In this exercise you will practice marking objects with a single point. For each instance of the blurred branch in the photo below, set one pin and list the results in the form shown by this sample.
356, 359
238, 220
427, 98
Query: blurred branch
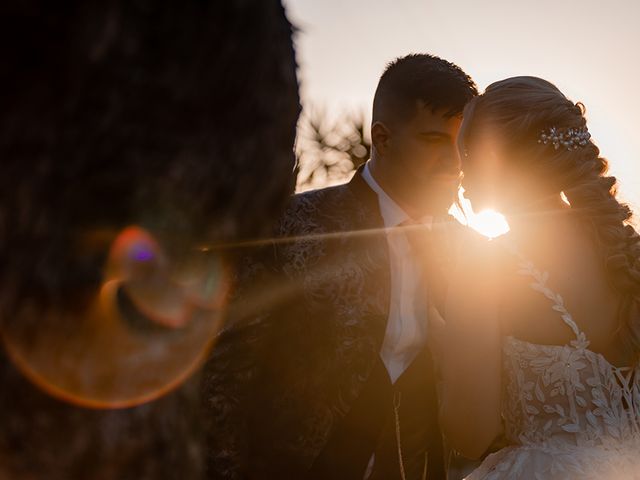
329, 151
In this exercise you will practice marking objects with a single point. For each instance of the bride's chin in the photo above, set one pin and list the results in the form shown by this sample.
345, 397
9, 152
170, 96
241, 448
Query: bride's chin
482, 200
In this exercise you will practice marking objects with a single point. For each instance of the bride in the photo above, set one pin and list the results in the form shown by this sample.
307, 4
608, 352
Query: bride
542, 336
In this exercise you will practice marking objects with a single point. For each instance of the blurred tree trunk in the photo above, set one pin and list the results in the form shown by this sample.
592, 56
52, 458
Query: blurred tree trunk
234, 77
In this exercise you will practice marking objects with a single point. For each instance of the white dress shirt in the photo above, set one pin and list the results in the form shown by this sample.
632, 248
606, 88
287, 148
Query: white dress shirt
406, 332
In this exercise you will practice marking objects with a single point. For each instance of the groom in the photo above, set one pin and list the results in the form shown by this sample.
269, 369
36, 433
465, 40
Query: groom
323, 371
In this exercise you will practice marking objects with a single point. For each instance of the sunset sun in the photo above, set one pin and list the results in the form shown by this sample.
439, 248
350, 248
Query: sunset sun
487, 222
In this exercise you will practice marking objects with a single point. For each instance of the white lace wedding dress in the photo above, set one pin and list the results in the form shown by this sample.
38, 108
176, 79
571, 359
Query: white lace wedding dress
568, 413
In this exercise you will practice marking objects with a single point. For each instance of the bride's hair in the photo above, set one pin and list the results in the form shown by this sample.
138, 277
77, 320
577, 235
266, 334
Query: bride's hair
517, 110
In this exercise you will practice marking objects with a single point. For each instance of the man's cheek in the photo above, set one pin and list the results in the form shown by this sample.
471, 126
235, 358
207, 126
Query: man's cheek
420, 159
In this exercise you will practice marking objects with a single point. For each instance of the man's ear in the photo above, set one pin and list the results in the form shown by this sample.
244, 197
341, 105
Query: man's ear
381, 138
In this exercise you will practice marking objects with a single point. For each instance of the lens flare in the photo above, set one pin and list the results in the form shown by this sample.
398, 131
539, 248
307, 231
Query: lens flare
128, 346
488, 222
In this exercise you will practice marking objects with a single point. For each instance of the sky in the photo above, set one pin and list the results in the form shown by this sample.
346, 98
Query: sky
589, 49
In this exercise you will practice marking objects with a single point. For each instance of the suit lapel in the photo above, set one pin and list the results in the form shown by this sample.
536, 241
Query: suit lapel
368, 198
374, 257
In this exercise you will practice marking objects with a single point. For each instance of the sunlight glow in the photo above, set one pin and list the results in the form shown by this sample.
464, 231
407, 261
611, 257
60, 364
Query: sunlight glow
489, 223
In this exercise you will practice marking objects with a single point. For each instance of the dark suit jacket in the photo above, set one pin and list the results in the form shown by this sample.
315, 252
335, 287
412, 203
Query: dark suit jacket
303, 335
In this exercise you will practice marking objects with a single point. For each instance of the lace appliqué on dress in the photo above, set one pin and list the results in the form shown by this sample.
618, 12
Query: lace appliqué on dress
567, 411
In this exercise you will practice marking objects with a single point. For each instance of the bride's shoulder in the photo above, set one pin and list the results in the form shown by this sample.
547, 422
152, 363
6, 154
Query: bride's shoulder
450, 231
479, 251
475, 241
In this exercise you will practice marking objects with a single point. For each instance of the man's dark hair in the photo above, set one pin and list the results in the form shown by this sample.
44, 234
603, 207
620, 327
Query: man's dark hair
421, 80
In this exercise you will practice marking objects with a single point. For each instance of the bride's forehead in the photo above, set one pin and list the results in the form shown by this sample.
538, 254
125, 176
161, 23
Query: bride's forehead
478, 131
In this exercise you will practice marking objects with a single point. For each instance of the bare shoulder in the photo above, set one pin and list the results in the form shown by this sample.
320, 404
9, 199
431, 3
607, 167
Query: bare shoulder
459, 241
476, 250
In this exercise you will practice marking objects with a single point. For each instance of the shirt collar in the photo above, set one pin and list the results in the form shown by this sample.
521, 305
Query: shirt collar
392, 213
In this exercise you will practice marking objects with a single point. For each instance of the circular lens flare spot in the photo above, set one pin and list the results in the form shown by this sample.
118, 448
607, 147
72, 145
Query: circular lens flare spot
113, 355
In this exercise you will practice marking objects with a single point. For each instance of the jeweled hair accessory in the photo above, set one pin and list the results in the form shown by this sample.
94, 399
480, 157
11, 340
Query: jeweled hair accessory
569, 138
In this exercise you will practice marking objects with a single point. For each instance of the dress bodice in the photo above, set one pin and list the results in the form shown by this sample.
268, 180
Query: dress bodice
566, 391
568, 413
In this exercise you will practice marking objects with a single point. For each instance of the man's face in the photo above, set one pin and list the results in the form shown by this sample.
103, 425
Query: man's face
423, 162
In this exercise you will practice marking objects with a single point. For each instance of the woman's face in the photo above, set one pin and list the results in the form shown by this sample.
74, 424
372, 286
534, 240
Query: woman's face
483, 167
